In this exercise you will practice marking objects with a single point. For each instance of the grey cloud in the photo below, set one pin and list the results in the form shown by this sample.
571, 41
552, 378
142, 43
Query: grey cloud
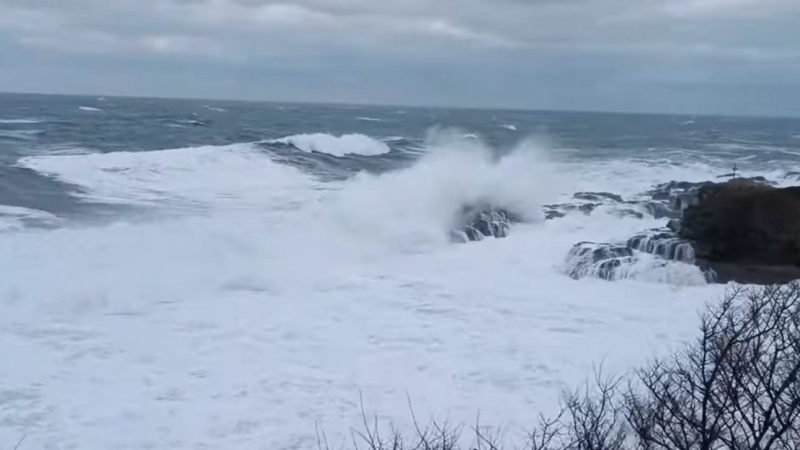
570, 49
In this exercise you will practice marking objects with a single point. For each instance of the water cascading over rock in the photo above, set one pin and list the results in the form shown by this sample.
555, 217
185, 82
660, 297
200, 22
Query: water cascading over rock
590, 259
480, 222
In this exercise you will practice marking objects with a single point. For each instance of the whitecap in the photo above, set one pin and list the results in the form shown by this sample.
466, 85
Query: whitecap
89, 108
509, 127
19, 121
348, 144
192, 177
369, 119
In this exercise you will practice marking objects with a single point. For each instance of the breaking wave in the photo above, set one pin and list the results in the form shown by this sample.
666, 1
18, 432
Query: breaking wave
421, 204
235, 176
348, 144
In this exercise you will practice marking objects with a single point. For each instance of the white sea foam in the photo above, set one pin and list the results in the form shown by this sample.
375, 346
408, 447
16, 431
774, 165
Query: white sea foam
348, 144
509, 127
272, 308
421, 204
89, 108
19, 121
194, 177
369, 119
14, 218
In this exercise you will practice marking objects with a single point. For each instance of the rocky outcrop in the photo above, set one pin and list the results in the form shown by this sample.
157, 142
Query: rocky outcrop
597, 197
589, 259
617, 261
746, 231
560, 210
480, 222
665, 243
792, 175
661, 204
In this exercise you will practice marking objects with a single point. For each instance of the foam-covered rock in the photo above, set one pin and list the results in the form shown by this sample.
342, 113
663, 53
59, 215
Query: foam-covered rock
590, 259
480, 222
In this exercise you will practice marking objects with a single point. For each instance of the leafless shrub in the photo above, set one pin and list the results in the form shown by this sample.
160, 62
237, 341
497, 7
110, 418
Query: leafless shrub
734, 388
595, 418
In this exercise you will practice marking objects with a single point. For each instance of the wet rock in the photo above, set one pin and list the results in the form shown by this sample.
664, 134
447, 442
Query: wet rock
597, 197
561, 210
598, 260
674, 225
627, 212
657, 209
792, 175
551, 214
743, 273
665, 191
480, 222
665, 243
746, 231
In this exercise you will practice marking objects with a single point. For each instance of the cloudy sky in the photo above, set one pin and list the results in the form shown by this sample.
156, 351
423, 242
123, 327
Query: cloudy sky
696, 56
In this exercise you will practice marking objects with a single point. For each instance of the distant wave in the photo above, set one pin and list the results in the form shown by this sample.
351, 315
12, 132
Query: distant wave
89, 108
19, 135
348, 144
14, 218
214, 108
509, 127
369, 119
19, 121
192, 122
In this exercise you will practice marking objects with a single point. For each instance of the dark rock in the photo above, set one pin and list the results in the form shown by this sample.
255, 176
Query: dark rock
678, 202
674, 225
660, 195
746, 231
717, 272
664, 243
627, 212
597, 196
561, 210
480, 222
792, 175
657, 209
664, 191
598, 260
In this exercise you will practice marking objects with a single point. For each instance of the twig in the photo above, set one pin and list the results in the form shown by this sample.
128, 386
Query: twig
20, 441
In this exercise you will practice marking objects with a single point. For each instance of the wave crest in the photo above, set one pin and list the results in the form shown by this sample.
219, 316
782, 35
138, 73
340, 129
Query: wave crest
423, 203
347, 144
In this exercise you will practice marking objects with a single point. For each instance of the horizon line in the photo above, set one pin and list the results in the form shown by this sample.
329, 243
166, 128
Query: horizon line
410, 106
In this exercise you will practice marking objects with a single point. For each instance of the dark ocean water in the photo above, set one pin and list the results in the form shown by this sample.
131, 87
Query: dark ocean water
36, 125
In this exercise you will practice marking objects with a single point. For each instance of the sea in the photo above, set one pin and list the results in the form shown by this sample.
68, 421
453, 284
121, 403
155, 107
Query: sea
198, 274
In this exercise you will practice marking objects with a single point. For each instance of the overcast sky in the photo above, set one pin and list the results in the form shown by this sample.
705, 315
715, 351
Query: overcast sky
693, 56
